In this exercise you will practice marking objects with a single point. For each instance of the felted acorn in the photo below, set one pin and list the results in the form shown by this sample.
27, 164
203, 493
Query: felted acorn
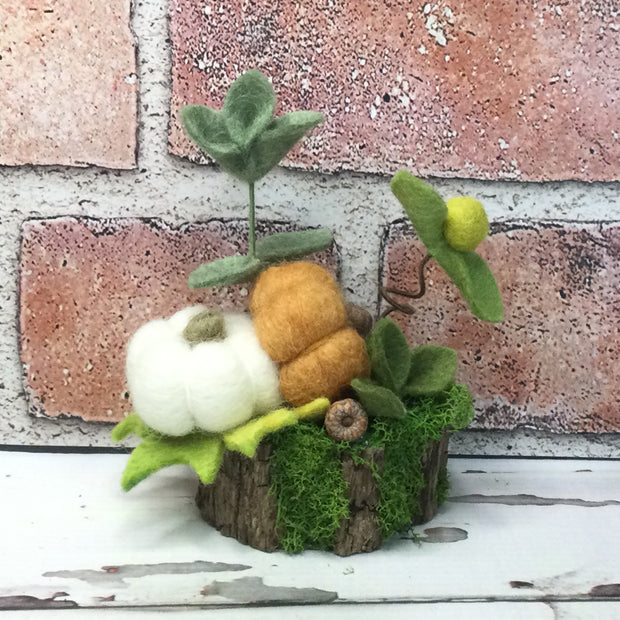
301, 321
200, 369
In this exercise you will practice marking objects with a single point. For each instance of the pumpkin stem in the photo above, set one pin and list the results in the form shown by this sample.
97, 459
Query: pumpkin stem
206, 326
359, 318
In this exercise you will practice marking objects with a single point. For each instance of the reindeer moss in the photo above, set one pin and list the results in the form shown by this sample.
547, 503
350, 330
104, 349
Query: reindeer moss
307, 476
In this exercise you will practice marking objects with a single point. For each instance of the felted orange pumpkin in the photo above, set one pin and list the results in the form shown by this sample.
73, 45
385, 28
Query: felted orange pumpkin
300, 319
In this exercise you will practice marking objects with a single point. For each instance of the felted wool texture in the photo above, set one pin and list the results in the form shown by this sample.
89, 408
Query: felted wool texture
213, 386
466, 224
155, 371
241, 337
332, 363
294, 306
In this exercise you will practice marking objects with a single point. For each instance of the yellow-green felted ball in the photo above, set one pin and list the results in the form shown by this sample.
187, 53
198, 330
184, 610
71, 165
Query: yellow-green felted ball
466, 224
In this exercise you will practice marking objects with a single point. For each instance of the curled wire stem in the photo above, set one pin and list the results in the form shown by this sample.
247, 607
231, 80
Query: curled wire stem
387, 292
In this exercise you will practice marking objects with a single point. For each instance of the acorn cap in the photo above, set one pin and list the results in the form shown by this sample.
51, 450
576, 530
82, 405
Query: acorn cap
346, 420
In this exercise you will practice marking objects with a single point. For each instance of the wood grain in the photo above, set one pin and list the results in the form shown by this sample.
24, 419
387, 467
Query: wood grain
66, 538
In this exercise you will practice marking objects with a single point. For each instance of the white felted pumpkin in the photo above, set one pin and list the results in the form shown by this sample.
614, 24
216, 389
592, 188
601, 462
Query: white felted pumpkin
177, 387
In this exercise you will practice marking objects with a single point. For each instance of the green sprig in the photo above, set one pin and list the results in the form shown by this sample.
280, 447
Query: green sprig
247, 141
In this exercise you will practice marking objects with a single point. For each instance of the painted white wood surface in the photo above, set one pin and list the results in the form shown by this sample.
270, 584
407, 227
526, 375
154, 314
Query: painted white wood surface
369, 611
541, 536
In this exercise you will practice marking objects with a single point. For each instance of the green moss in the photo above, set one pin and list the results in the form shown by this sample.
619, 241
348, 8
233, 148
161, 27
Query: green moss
307, 476
404, 443
307, 481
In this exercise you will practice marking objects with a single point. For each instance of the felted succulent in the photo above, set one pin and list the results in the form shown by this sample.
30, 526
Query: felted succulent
247, 141
450, 233
399, 372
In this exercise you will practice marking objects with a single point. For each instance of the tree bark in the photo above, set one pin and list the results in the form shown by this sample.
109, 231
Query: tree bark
360, 532
238, 502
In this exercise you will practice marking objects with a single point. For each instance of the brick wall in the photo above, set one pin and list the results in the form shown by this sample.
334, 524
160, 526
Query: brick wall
104, 212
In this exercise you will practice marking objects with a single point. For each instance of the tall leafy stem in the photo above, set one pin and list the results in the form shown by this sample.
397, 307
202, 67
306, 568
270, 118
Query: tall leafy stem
247, 141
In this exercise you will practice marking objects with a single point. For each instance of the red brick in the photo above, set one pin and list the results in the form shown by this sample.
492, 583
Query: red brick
512, 90
553, 363
87, 285
68, 75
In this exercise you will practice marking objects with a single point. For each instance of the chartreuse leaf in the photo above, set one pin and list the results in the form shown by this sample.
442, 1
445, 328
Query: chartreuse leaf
378, 401
314, 410
424, 206
225, 271
131, 425
201, 452
246, 438
292, 245
277, 140
248, 107
389, 355
432, 370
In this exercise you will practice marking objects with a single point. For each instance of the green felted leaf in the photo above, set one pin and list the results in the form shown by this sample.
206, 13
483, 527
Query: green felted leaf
484, 300
469, 272
424, 206
201, 452
207, 129
389, 355
131, 425
378, 401
225, 271
432, 370
248, 107
292, 245
246, 438
474, 279
277, 140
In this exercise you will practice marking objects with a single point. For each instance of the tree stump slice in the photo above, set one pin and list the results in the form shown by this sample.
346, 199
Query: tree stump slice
434, 463
360, 532
238, 503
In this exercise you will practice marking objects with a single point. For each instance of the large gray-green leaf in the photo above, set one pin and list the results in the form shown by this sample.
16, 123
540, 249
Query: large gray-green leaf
226, 271
389, 355
277, 140
424, 206
484, 299
432, 370
207, 129
290, 245
474, 279
248, 107
469, 272
378, 401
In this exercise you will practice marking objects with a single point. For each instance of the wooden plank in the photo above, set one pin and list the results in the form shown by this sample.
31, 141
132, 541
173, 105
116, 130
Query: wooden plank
520, 531
409, 611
